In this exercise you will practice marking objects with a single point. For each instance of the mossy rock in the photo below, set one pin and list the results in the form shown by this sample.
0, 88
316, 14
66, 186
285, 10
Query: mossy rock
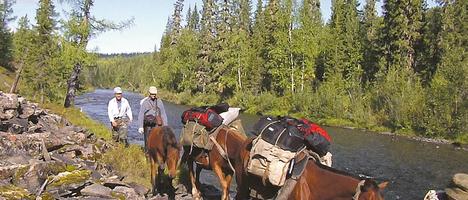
14, 192
69, 180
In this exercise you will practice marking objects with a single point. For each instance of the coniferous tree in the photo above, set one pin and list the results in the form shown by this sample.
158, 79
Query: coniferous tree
345, 53
402, 32
371, 26
22, 43
40, 76
258, 78
208, 44
193, 22
429, 53
6, 11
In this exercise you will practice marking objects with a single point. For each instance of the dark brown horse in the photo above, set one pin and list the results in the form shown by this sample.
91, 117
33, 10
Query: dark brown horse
318, 182
229, 141
163, 150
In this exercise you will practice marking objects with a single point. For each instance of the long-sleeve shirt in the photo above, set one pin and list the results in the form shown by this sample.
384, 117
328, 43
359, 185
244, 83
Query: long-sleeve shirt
148, 107
119, 109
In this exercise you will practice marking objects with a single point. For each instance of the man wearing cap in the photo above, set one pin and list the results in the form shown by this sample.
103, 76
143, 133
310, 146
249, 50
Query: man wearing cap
120, 115
152, 113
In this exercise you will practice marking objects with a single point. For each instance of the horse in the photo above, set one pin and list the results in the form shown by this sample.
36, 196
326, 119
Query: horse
318, 182
163, 149
228, 142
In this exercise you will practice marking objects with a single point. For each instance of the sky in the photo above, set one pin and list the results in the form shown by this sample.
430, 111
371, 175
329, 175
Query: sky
149, 17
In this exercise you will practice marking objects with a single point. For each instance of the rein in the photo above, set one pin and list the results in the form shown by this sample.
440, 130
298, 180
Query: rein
358, 190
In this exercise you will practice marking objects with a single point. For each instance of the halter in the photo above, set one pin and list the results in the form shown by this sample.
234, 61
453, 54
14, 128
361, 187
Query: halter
358, 190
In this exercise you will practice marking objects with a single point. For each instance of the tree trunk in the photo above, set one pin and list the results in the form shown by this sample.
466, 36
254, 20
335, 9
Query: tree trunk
18, 75
72, 85
239, 79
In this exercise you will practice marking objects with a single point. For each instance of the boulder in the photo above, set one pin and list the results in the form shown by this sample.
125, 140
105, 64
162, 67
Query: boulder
112, 183
14, 192
17, 125
129, 193
456, 194
97, 190
65, 182
461, 181
8, 101
27, 110
8, 114
140, 189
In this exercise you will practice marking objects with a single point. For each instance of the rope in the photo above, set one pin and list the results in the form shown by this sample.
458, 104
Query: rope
358, 190
221, 151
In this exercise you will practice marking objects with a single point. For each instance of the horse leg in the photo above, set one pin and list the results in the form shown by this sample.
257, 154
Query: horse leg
154, 175
195, 193
242, 190
223, 180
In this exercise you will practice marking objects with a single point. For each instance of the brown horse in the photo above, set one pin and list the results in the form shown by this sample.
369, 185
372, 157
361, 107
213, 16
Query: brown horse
318, 182
229, 141
163, 150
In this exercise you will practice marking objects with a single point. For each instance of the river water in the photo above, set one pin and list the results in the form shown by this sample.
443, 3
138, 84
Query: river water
411, 167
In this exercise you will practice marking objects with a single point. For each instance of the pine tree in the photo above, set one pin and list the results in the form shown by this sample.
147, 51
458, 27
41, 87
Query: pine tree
22, 43
402, 32
208, 46
176, 20
429, 51
193, 19
345, 53
371, 26
258, 78
6, 11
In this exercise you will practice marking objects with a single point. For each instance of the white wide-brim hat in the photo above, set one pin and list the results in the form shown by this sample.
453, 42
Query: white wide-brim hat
118, 90
153, 90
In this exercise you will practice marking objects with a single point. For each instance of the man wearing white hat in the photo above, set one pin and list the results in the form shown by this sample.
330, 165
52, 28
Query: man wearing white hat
120, 115
152, 113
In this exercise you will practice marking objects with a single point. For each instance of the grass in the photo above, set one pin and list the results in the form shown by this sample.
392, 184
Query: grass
130, 162
7, 78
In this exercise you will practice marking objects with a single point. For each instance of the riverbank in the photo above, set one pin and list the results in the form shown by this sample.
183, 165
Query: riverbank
45, 152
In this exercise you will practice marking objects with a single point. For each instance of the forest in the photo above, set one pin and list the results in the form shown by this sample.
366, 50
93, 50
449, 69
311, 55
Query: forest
403, 70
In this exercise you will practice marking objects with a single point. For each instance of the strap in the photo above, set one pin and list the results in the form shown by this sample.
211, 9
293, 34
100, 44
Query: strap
222, 152
358, 190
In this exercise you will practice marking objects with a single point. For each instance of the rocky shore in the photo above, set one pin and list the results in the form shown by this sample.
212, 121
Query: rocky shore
43, 156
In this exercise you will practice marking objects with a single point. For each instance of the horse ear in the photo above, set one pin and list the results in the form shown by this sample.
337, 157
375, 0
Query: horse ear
383, 185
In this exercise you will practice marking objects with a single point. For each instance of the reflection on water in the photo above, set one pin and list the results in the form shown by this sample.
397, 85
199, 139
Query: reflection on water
411, 167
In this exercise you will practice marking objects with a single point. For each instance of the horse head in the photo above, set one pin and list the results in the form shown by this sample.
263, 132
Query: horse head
368, 189
173, 149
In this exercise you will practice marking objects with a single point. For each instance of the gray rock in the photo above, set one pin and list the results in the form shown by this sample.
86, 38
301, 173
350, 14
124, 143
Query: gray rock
97, 190
140, 189
18, 126
8, 101
27, 110
128, 192
48, 123
112, 183
159, 197
8, 114
461, 181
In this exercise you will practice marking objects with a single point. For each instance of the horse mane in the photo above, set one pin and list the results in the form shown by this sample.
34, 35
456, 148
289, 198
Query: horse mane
169, 138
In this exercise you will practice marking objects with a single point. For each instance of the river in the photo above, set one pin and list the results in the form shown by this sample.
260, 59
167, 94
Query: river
411, 167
